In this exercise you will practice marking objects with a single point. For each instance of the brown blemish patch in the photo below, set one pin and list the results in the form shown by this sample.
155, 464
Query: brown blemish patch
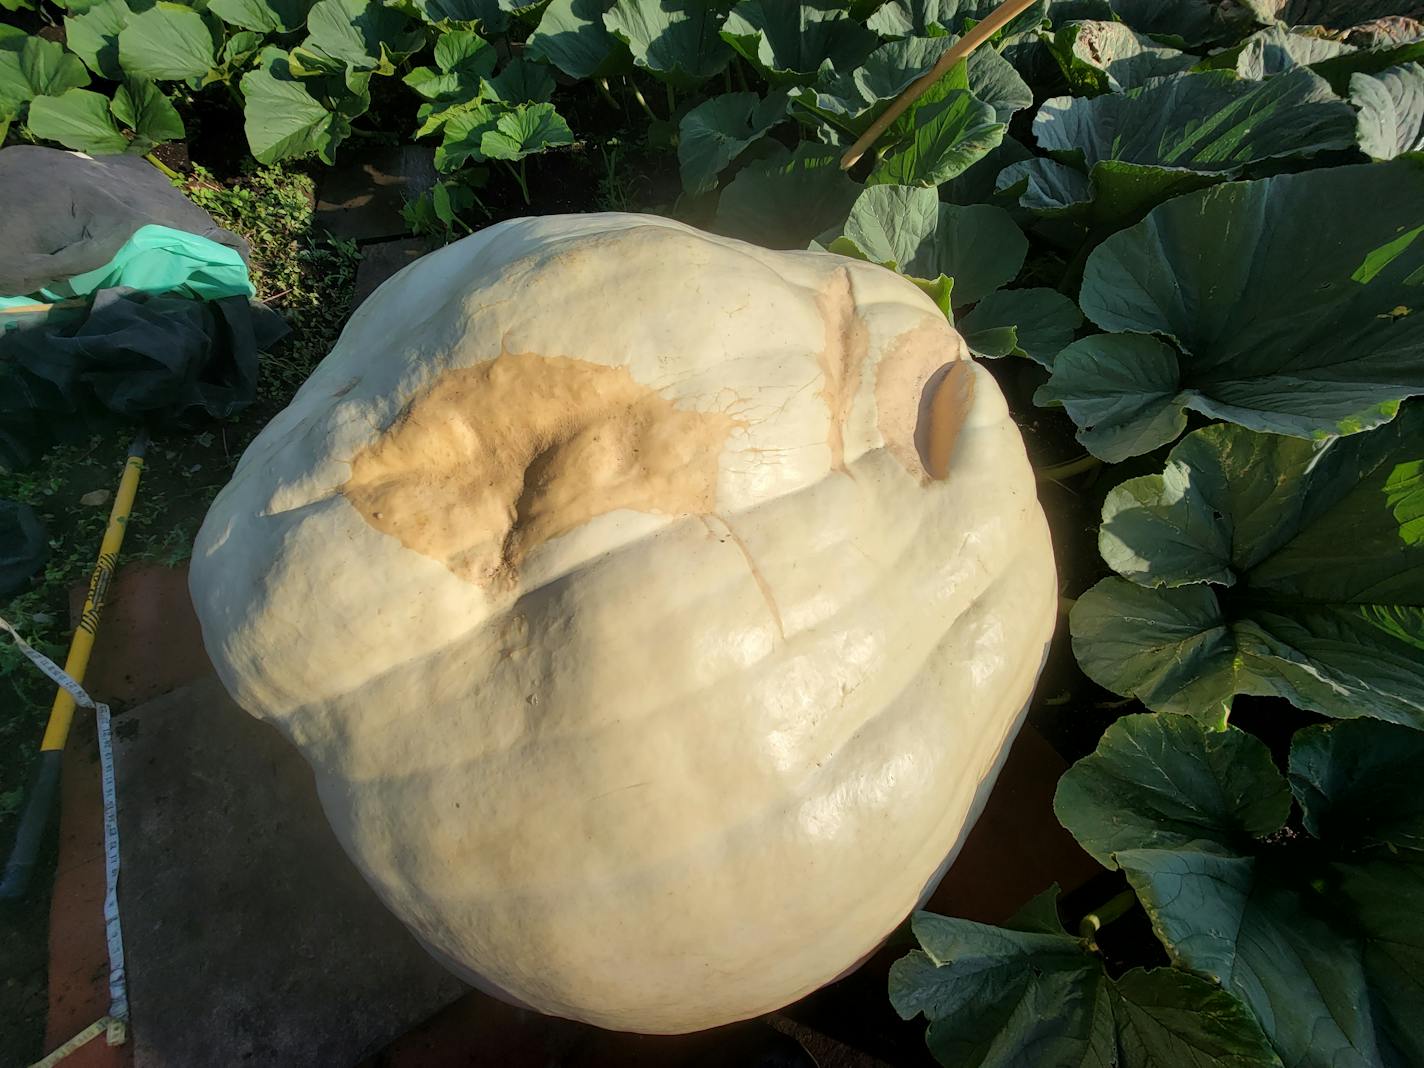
924, 388
494, 460
762, 585
841, 359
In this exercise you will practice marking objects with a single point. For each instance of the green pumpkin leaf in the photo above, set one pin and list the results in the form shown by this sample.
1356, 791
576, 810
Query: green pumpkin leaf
141, 106
1391, 107
1193, 22
795, 44
1325, 545
94, 36
677, 43
77, 119
1209, 122
922, 18
1037, 323
522, 82
1103, 56
571, 36
283, 120
527, 129
787, 199
1170, 1017
362, 34
464, 59
263, 16
464, 130
492, 15
714, 133
1277, 49
995, 996
909, 230
168, 42
38, 68
1290, 301
1357, 784
949, 137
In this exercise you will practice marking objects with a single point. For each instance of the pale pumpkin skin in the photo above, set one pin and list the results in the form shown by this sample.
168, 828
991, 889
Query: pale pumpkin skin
647, 673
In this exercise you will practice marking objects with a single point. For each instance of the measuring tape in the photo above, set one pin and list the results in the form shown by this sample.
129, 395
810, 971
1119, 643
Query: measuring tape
116, 1023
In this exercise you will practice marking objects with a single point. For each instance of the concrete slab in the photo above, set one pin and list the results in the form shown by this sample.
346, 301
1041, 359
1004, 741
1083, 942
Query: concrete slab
362, 199
250, 937
380, 261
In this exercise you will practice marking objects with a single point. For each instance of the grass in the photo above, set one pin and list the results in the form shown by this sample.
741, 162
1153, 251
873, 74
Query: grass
307, 277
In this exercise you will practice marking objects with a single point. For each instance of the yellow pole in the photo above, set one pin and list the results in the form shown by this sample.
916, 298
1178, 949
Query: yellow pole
61, 713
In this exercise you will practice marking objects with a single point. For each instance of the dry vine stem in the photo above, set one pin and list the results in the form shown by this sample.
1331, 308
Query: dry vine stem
992, 24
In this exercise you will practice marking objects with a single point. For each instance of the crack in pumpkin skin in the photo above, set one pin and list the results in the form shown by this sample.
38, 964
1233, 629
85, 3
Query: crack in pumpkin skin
841, 360
495, 459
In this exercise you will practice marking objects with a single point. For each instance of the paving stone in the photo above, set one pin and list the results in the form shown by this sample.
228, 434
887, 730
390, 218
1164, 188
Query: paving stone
250, 937
381, 261
149, 642
362, 199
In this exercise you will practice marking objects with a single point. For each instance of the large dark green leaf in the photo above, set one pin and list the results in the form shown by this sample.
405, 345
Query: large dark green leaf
464, 133
1165, 782
717, 131
1323, 548
522, 82
94, 36
141, 106
1168, 1017
167, 42
282, 119
1288, 300
1036, 323
677, 41
1277, 49
571, 35
1194, 22
362, 34
1357, 782
1102, 56
77, 119
788, 199
463, 59
910, 231
1391, 107
947, 139
997, 997
794, 44
263, 16
922, 18
1209, 122
37, 68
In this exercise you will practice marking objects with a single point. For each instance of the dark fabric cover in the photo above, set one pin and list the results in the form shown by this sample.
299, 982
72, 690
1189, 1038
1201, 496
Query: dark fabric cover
66, 213
158, 360
23, 546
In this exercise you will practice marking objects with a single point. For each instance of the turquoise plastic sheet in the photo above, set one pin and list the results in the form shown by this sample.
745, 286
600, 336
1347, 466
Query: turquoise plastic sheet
157, 259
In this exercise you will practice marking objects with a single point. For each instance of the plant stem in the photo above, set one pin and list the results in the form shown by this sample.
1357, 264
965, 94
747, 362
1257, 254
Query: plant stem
1057, 472
638, 96
606, 93
1223, 717
672, 102
727, 78
1103, 915
522, 178
167, 170
741, 77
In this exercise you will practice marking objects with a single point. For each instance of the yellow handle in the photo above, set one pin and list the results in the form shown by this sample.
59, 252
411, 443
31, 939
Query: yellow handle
61, 713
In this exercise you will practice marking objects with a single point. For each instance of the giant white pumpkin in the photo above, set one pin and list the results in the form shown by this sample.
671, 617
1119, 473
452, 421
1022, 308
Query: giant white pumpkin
655, 610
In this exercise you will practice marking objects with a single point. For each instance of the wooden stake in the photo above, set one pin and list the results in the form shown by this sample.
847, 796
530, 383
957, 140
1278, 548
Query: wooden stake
992, 24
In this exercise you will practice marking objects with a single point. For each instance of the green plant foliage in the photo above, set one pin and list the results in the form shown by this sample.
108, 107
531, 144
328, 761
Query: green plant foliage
1314, 935
945, 140
168, 42
787, 199
521, 82
37, 68
1287, 304
571, 36
464, 133
1391, 106
1037, 323
925, 18
1028, 993
262, 16
713, 134
1277, 49
676, 43
1102, 56
94, 36
794, 44
79, 119
910, 231
1262, 564
360, 34
284, 120
524, 131
463, 59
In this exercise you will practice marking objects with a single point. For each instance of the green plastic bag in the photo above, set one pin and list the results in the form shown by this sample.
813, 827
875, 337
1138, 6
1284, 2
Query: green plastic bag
157, 259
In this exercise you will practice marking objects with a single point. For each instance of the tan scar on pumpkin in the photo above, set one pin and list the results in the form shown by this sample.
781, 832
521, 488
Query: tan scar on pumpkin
841, 358
924, 389
496, 459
